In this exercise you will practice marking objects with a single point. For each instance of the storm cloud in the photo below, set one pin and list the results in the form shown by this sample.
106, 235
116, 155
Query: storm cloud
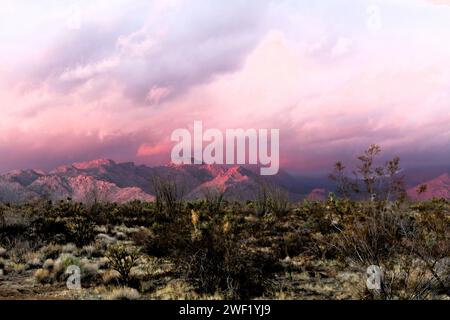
113, 79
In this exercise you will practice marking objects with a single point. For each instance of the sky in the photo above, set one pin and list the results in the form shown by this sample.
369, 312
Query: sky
81, 80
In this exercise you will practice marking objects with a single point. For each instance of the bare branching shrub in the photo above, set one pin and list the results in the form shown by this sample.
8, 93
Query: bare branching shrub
369, 238
271, 198
279, 200
428, 238
262, 199
384, 233
383, 182
214, 198
94, 197
169, 192
345, 186
367, 172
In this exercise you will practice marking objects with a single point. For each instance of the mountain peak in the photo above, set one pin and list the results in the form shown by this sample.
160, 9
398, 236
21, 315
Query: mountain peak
121, 182
93, 164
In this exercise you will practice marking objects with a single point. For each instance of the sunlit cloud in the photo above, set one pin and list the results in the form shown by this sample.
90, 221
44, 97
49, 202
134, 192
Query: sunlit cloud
76, 85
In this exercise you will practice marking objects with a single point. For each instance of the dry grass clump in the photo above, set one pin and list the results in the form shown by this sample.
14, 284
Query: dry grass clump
44, 276
69, 248
3, 252
34, 263
182, 290
49, 264
51, 251
124, 293
111, 277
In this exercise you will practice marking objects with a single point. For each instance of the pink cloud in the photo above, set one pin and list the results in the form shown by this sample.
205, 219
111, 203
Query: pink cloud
118, 90
158, 94
148, 150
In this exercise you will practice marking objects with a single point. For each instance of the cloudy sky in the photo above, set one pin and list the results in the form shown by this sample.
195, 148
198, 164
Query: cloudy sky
81, 80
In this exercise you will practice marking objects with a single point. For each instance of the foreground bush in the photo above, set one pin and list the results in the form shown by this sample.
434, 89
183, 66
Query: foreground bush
122, 260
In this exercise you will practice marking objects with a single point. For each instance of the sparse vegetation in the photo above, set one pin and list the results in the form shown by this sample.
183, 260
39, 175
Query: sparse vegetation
215, 248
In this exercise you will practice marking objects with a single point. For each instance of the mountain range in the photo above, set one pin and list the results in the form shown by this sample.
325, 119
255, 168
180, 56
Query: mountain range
107, 180
435, 188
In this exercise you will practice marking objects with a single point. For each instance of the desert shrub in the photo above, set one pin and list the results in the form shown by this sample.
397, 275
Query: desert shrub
271, 199
214, 198
49, 264
279, 201
66, 221
317, 217
217, 260
90, 274
384, 232
164, 242
130, 214
122, 260
428, 239
33, 263
51, 251
406, 246
102, 213
81, 231
371, 238
262, 199
20, 248
15, 231
382, 182
110, 277
63, 262
407, 279
69, 248
140, 237
168, 237
292, 244
51, 228
43, 276
169, 192
91, 251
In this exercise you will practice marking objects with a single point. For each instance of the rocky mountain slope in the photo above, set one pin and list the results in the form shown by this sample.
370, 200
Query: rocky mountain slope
106, 180
435, 188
